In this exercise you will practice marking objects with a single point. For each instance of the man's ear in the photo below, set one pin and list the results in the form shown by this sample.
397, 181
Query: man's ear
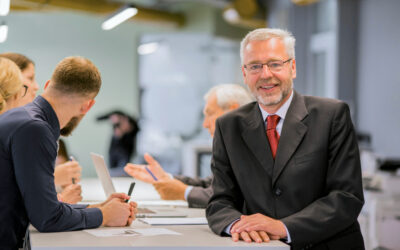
87, 105
233, 106
293, 68
243, 72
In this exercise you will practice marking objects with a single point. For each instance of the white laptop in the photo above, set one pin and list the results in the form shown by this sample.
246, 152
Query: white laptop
108, 186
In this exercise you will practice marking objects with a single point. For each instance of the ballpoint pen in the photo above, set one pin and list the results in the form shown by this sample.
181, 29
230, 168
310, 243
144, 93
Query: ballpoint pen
71, 158
151, 173
130, 190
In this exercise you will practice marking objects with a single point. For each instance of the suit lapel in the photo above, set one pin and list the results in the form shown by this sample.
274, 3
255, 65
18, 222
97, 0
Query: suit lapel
256, 139
293, 131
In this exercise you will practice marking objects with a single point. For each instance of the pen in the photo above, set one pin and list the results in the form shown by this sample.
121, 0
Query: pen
130, 190
71, 158
151, 173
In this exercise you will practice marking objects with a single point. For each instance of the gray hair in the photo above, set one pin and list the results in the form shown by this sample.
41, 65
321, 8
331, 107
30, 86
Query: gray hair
265, 34
228, 94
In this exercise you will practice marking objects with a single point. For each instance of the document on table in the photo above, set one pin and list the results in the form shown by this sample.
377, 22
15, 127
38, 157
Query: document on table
174, 203
175, 221
130, 232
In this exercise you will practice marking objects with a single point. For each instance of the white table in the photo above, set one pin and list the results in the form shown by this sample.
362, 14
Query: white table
192, 236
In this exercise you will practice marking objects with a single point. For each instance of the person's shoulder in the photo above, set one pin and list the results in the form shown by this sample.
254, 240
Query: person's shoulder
326, 108
239, 113
323, 103
13, 119
33, 128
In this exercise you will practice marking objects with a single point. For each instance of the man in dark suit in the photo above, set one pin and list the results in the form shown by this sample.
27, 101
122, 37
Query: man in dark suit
287, 166
196, 191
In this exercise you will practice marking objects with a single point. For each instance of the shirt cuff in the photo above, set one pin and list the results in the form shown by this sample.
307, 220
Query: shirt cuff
93, 217
228, 228
288, 239
187, 191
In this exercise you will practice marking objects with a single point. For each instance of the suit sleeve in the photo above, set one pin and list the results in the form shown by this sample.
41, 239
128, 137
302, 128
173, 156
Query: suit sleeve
341, 205
34, 152
198, 182
227, 200
199, 197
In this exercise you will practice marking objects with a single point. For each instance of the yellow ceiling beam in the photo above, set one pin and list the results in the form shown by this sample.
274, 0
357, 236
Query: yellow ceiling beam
97, 7
304, 2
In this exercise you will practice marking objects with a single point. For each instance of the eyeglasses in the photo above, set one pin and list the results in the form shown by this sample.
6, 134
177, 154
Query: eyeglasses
25, 90
273, 66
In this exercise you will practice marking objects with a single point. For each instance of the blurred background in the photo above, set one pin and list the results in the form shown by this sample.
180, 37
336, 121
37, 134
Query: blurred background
157, 65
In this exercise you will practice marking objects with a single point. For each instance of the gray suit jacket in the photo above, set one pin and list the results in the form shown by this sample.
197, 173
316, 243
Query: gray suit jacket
201, 191
314, 184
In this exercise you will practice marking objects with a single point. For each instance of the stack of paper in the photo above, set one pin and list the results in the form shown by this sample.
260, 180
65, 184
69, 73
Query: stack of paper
175, 221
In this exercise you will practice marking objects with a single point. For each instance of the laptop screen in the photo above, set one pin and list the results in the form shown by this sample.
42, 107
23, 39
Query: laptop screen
103, 174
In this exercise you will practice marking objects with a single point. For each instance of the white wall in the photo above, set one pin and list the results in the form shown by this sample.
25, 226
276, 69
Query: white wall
379, 75
49, 37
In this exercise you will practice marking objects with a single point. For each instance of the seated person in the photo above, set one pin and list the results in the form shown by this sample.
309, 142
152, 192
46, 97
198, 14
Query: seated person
67, 174
219, 100
11, 87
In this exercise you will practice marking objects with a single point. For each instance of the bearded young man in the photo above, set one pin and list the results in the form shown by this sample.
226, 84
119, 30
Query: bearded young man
287, 166
28, 151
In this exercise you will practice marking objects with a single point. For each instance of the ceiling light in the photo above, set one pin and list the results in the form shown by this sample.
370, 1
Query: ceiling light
3, 32
120, 16
4, 7
147, 48
231, 15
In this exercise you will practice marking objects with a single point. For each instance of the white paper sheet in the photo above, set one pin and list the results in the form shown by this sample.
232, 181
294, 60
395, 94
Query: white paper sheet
130, 232
175, 221
173, 203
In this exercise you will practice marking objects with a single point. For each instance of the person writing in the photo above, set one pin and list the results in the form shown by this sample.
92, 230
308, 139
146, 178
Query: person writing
196, 191
286, 166
67, 174
28, 139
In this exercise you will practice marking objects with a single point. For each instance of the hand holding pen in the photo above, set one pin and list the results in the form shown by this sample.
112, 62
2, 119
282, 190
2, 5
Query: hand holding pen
65, 172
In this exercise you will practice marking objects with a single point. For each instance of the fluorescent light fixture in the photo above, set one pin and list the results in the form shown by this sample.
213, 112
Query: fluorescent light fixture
120, 16
3, 32
231, 15
4, 7
147, 48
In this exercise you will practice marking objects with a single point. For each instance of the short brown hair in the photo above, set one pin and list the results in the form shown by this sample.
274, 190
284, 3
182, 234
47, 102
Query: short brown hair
76, 75
19, 59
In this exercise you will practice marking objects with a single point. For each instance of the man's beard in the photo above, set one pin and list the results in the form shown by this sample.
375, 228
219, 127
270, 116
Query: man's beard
273, 99
71, 125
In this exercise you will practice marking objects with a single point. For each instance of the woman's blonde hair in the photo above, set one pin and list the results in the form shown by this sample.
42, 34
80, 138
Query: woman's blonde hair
10, 81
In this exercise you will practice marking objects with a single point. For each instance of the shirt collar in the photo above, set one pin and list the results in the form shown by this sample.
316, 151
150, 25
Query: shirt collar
281, 111
49, 113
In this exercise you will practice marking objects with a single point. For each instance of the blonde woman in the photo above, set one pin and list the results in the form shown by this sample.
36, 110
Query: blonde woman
11, 87
27, 67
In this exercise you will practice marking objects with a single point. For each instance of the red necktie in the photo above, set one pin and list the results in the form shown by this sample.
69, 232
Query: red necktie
272, 134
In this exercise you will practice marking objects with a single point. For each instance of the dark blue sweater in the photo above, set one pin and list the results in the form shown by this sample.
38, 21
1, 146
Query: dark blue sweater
28, 149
